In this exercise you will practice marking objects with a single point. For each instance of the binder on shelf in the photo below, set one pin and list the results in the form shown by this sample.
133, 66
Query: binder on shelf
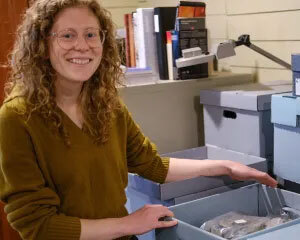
127, 40
135, 38
175, 46
164, 20
130, 48
147, 39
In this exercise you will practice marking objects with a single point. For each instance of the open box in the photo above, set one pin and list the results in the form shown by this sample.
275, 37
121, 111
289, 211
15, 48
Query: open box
141, 191
256, 199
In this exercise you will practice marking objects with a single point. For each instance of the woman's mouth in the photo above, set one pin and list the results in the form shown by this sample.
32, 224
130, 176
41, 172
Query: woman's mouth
80, 61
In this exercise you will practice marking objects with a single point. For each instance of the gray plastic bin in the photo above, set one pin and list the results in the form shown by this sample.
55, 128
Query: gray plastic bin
255, 199
141, 191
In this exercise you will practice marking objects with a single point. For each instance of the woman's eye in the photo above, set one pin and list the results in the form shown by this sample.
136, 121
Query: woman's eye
91, 35
67, 36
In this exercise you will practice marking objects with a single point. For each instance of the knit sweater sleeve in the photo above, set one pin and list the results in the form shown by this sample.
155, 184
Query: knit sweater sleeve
31, 206
142, 156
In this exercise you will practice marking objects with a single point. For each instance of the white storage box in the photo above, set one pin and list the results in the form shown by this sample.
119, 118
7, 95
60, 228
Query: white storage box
285, 116
239, 117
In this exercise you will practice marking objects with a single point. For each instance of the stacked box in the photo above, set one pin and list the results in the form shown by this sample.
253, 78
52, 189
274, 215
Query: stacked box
231, 114
257, 200
285, 116
239, 117
296, 74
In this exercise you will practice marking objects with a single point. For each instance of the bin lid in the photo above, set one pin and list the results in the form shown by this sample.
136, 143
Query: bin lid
296, 62
285, 109
253, 96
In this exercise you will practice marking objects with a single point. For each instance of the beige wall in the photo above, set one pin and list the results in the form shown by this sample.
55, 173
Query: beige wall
169, 112
118, 8
272, 25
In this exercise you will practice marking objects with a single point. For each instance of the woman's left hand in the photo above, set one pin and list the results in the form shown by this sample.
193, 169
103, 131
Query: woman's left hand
242, 172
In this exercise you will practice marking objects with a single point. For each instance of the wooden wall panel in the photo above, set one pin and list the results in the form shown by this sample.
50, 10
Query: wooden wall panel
10, 11
259, 6
10, 15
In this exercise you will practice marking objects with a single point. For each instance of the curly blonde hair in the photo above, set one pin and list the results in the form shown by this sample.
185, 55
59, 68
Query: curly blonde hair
32, 75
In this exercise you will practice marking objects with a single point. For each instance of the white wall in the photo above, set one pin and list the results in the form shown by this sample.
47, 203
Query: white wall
272, 25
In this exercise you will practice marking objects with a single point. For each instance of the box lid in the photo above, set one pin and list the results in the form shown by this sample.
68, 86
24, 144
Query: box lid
254, 96
296, 62
285, 109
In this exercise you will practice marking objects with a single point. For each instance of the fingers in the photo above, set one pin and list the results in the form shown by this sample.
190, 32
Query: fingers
263, 178
166, 213
242, 172
165, 224
164, 217
268, 180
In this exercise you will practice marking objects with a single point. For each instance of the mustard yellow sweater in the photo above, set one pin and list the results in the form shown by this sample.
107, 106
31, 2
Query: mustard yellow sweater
48, 186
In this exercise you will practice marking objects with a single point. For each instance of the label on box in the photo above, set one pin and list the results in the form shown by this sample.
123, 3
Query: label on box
191, 23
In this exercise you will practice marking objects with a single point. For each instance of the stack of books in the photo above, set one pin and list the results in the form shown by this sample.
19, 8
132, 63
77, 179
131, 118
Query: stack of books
190, 27
147, 46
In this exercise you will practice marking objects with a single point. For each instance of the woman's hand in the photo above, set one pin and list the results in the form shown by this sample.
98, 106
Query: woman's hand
242, 172
146, 219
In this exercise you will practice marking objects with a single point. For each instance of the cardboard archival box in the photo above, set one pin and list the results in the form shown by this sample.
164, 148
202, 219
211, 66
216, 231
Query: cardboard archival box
285, 116
239, 117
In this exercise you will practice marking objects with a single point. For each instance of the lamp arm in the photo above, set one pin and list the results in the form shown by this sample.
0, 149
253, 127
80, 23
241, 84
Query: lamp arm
245, 40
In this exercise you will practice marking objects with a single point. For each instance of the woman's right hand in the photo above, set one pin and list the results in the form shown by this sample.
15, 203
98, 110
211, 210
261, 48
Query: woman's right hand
146, 219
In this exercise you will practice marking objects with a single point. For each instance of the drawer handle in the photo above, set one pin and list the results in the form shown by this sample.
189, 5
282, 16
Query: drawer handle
229, 114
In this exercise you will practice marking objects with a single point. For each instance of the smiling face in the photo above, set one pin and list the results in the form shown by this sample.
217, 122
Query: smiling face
80, 62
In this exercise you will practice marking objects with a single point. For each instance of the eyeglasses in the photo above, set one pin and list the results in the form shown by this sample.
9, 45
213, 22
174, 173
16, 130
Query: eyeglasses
67, 38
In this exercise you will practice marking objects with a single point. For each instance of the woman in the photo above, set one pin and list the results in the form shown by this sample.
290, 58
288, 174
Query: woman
67, 142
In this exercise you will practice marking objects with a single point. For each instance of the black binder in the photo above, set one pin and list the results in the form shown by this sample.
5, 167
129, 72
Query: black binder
164, 20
